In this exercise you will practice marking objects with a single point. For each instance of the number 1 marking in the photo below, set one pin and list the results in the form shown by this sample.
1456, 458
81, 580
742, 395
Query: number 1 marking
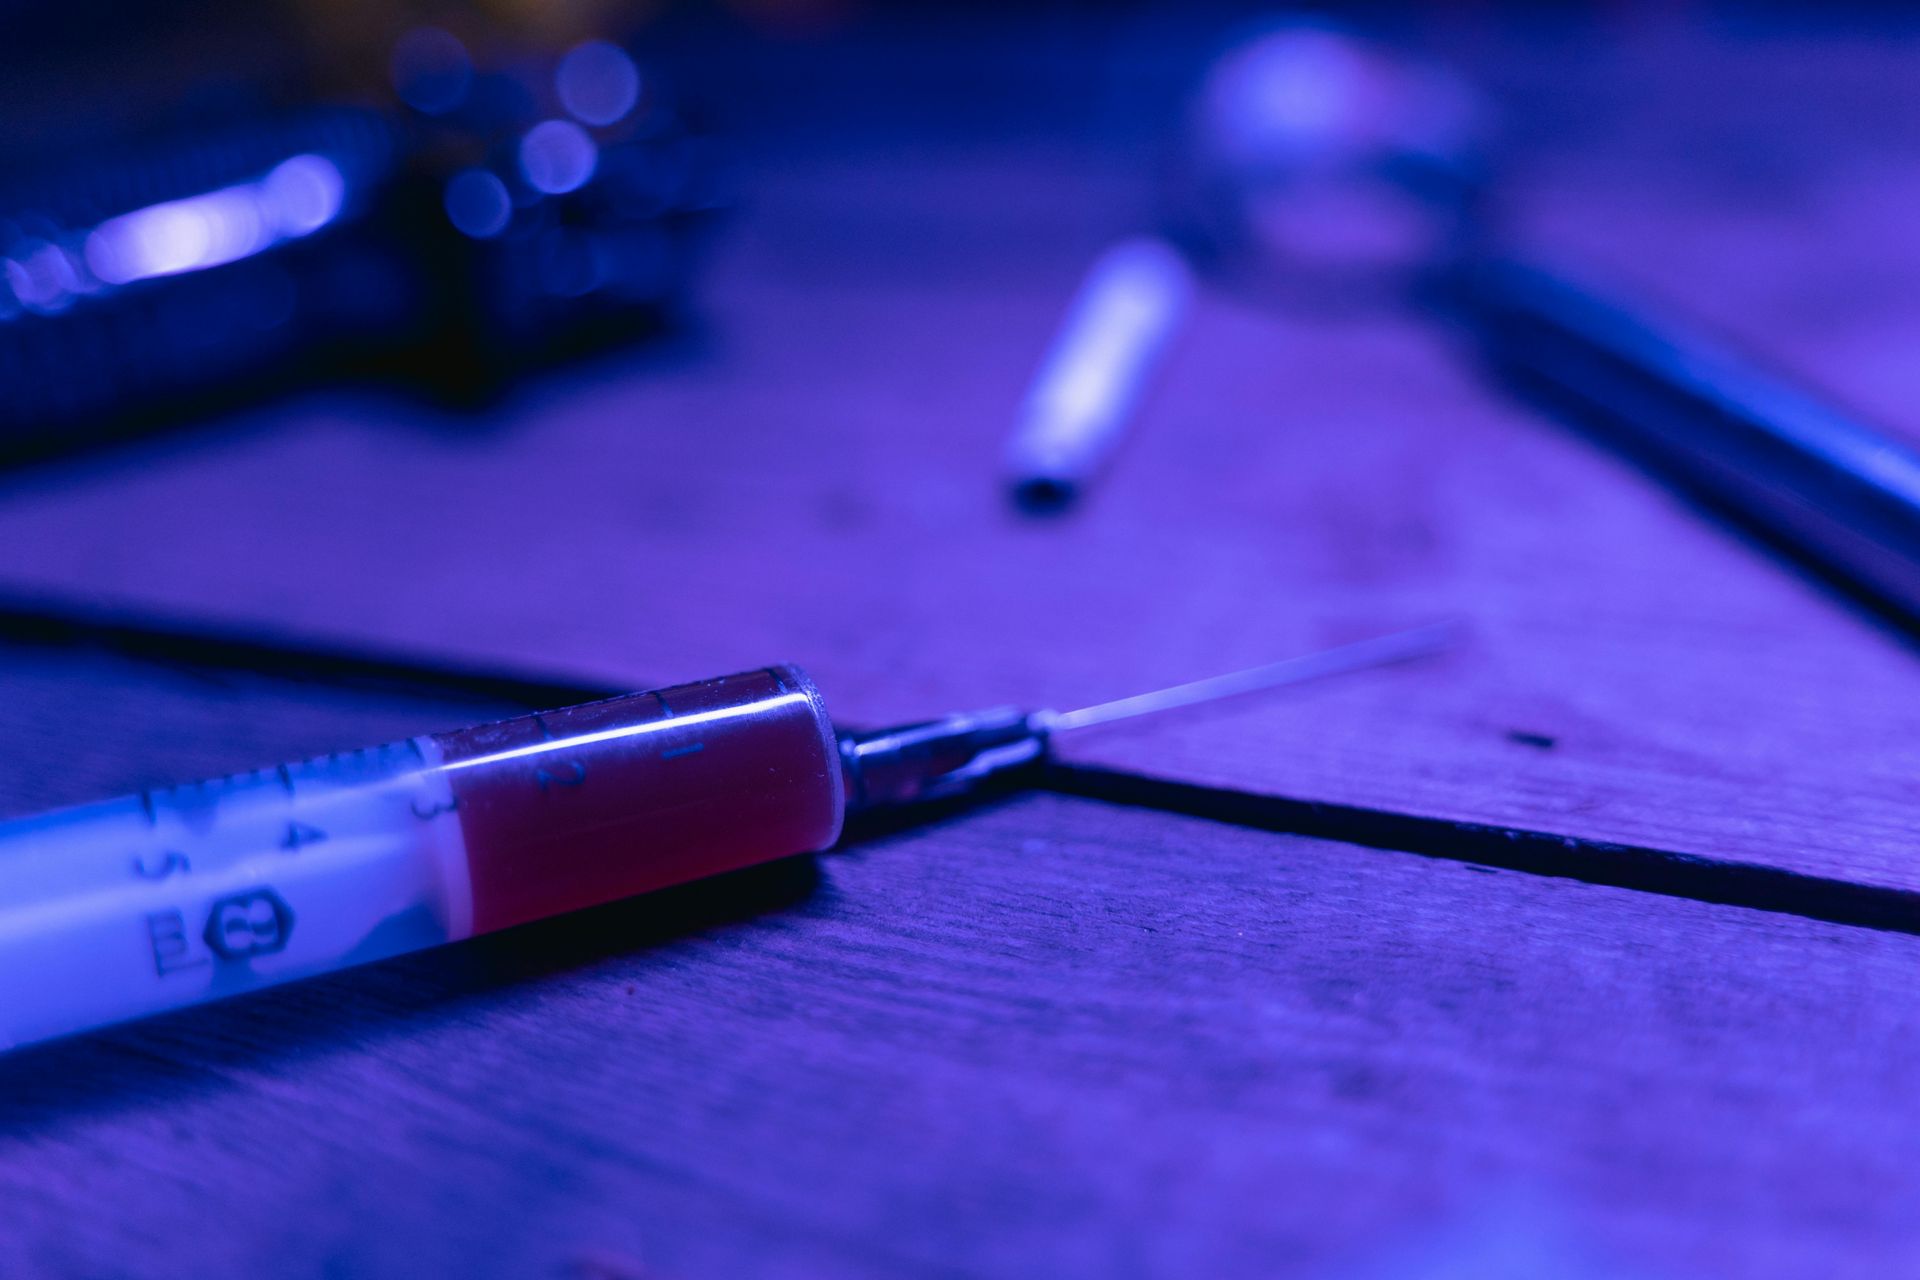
167, 934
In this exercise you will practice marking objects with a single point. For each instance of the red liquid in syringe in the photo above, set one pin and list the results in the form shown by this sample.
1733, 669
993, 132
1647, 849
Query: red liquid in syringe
133, 906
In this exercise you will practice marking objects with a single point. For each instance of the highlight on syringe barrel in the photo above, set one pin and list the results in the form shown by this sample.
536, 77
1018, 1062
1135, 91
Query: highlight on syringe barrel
151, 902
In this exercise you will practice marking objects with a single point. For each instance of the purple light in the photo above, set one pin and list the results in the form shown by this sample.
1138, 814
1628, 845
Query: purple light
557, 156
300, 196
1293, 93
477, 203
597, 82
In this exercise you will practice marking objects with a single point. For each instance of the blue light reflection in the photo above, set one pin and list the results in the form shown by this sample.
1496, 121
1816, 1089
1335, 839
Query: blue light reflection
557, 156
300, 196
478, 204
597, 83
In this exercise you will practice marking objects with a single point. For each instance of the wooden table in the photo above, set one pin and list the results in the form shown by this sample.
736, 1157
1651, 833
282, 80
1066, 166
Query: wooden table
1583, 951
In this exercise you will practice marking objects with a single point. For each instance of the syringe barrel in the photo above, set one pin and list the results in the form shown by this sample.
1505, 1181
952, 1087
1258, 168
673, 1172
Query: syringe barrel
615, 798
135, 906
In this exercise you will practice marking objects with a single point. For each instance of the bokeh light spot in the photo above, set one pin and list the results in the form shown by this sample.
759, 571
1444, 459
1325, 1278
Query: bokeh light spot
597, 82
478, 204
303, 194
557, 156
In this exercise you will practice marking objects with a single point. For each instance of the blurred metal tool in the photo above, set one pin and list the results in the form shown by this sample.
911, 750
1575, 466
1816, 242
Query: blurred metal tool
1322, 163
1324, 171
1259, 127
1129, 307
490, 219
1825, 486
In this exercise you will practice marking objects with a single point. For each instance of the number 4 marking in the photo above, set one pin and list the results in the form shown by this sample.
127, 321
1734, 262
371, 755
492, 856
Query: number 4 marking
300, 834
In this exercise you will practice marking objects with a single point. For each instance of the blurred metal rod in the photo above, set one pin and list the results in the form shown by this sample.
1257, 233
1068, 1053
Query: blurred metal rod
1843, 494
1128, 309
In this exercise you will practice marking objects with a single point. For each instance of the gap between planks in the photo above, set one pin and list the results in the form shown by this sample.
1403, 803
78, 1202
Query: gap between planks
47, 622
1541, 853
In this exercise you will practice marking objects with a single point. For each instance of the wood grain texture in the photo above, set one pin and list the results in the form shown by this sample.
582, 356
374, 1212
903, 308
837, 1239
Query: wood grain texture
816, 481
1051, 1038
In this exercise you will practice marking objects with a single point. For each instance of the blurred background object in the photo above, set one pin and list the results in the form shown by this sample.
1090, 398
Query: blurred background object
1324, 169
1127, 311
1317, 163
253, 196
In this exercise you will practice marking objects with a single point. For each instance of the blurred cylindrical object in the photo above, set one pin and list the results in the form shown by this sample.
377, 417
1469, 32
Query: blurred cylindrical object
1326, 157
1836, 491
1127, 310
1311, 166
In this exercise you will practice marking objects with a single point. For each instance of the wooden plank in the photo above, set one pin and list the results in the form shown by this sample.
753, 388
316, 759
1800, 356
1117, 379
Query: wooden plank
817, 484
1054, 1037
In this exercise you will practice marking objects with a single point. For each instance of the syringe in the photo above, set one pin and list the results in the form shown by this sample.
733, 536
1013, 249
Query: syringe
152, 902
